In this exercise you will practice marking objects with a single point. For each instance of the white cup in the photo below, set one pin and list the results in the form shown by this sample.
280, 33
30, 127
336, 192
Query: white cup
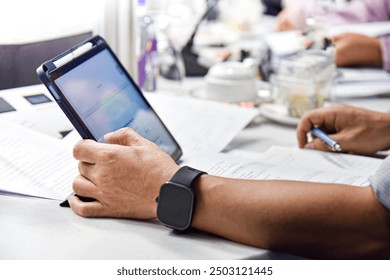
231, 82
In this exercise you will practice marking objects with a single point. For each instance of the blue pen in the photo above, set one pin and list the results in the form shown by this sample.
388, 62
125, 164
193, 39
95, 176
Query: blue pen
331, 143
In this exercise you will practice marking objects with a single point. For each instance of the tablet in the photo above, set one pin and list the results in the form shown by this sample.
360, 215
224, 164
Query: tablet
98, 95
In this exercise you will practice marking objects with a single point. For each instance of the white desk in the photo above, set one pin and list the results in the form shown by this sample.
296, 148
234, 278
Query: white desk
39, 229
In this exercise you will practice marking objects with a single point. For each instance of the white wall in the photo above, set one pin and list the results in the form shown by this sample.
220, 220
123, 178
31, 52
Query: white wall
33, 20
26, 21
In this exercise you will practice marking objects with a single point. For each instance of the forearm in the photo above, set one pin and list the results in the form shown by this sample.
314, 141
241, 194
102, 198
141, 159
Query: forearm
308, 219
354, 49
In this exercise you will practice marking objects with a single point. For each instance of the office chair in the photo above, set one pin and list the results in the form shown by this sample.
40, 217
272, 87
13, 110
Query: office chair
19, 61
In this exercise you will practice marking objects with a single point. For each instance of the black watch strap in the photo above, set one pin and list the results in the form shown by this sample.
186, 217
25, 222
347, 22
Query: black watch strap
186, 176
176, 200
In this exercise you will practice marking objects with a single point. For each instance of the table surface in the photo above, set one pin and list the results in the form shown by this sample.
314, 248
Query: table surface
33, 228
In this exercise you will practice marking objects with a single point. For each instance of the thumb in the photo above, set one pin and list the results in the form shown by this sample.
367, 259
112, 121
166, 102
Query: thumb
124, 136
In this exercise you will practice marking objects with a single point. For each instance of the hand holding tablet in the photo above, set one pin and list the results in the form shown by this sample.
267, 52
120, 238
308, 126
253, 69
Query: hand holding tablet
98, 96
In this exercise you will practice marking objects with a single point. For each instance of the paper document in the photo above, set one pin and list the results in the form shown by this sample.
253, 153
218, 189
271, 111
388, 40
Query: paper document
365, 166
290, 164
360, 89
353, 75
361, 82
200, 126
34, 164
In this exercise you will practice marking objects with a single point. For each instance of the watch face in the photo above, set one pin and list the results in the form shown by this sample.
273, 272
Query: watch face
175, 205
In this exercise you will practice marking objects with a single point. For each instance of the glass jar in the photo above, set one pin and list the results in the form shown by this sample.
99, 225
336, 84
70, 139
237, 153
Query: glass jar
303, 81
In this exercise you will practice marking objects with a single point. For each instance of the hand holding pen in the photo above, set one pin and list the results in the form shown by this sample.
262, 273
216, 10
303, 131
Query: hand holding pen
350, 129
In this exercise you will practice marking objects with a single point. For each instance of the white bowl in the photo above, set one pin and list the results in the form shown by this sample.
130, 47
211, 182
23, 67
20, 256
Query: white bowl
231, 82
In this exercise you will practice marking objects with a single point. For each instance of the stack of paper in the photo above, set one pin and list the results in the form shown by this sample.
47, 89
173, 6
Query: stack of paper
361, 82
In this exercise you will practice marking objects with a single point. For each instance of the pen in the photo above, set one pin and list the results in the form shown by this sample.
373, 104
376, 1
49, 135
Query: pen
331, 143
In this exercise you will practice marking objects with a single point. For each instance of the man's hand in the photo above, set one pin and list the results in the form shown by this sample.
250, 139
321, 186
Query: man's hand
357, 130
124, 176
355, 49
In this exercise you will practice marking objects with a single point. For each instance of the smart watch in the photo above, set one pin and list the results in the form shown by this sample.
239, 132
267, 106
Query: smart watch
177, 199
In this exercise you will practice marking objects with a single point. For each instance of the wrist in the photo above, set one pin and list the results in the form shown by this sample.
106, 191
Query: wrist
164, 174
386, 123
176, 200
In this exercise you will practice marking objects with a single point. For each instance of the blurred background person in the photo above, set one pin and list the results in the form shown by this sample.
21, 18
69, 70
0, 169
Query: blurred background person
350, 49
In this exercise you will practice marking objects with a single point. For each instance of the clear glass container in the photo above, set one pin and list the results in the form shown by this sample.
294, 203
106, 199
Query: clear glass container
303, 81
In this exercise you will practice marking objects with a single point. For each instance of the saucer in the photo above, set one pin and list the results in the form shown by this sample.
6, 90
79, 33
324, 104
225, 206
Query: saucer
278, 113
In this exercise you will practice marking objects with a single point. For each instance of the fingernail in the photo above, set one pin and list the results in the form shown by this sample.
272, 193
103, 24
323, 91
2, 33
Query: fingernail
103, 139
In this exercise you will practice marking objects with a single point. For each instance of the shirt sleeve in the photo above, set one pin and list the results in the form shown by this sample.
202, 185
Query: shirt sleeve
380, 182
385, 47
303, 5
354, 12
358, 11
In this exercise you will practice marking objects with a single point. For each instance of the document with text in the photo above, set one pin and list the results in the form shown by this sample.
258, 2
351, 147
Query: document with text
281, 163
35, 164
200, 126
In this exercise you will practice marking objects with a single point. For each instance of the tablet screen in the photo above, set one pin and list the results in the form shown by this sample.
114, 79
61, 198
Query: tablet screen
106, 100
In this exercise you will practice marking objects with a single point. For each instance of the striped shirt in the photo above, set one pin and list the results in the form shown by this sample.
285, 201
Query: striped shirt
381, 183
354, 12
